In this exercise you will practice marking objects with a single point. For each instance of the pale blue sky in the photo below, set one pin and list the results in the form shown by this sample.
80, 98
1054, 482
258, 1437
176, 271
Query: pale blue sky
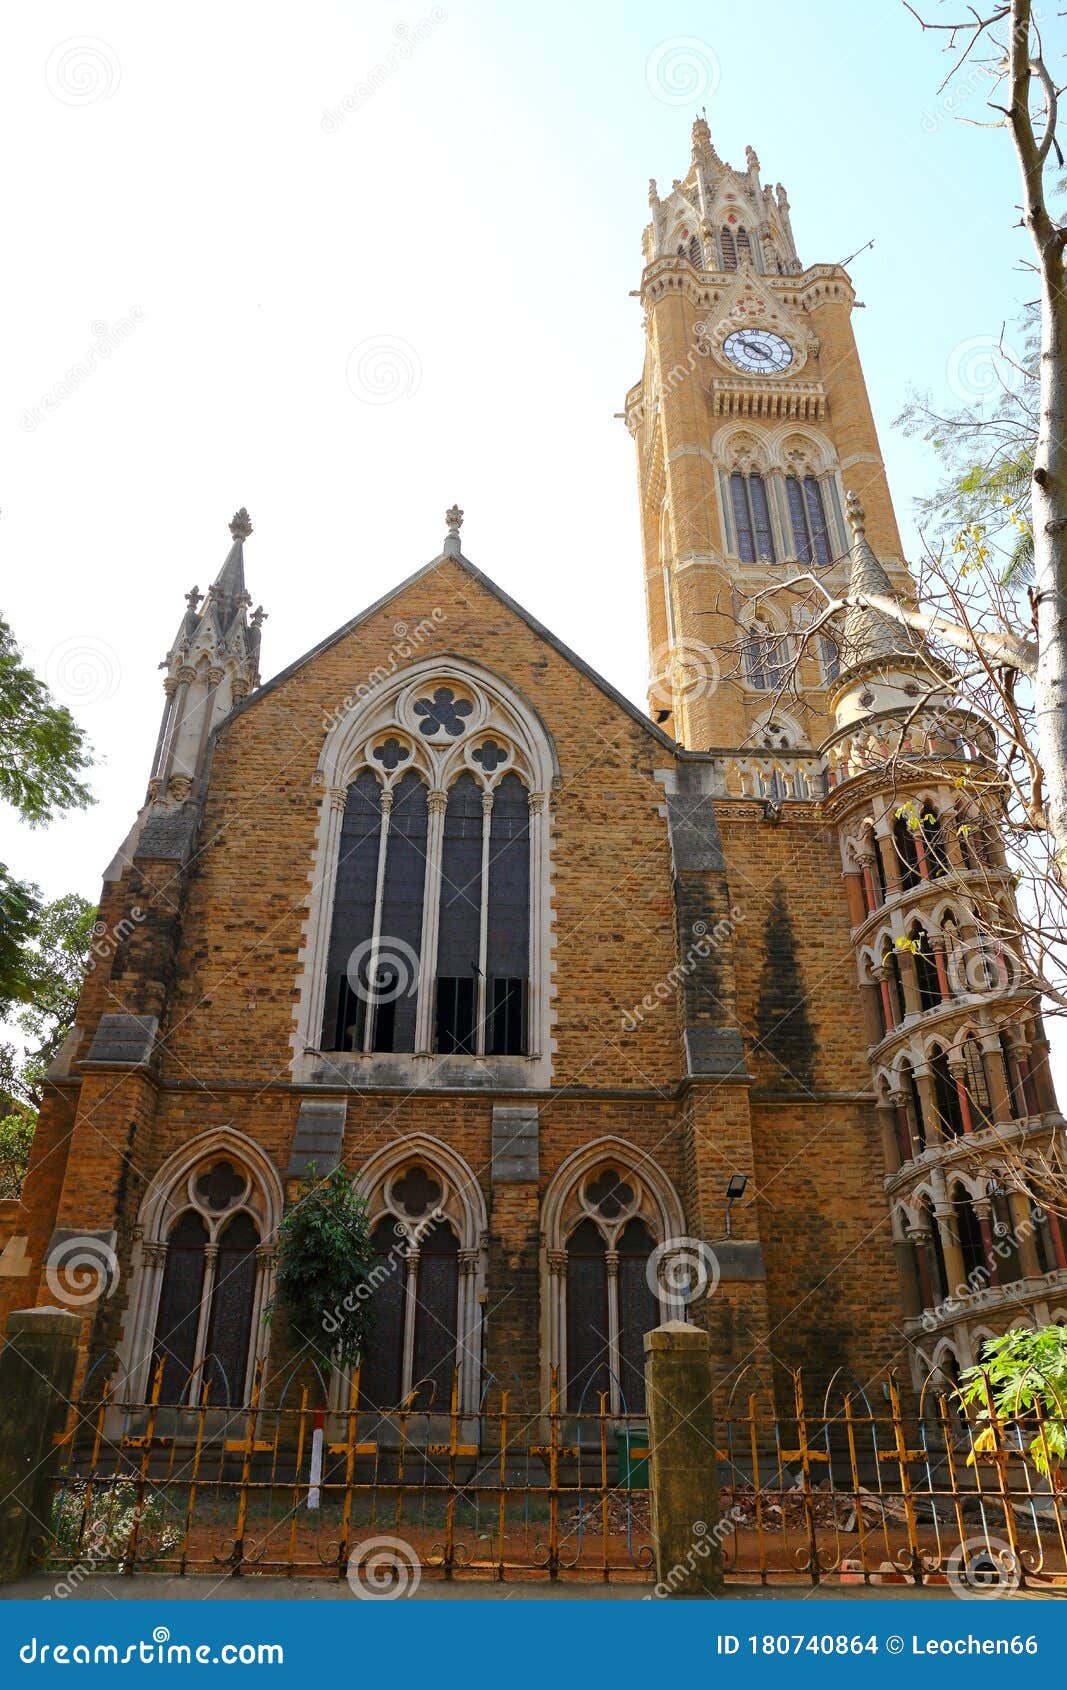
197, 176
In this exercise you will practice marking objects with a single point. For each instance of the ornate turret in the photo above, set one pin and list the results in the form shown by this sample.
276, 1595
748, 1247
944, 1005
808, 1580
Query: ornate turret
958, 1055
721, 219
213, 662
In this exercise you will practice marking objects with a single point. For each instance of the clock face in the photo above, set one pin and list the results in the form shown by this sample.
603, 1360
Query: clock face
758, 351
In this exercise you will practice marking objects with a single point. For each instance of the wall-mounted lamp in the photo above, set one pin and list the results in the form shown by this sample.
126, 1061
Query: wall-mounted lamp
734, 1192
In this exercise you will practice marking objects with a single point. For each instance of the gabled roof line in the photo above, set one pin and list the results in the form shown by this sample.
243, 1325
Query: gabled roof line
505, 599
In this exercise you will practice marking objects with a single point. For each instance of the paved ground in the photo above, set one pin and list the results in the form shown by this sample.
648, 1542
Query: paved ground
149, 1588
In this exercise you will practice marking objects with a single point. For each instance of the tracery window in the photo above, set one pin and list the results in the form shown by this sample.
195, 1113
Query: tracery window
608, 1230
807, 516
610, 1302
201, 1276
752, 517
766, 655
434, 939
427, 1225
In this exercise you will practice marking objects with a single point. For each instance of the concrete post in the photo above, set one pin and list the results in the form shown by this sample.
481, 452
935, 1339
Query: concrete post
36, 1375
683, 1469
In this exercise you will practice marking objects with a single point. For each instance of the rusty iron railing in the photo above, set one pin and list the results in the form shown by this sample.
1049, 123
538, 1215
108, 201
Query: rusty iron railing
858, 1491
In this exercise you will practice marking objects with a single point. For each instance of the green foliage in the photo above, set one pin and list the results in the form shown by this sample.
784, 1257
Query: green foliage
20, 907
43, 752
16, 1137
1027, 1375
92, 1529
53, 953
324, 1278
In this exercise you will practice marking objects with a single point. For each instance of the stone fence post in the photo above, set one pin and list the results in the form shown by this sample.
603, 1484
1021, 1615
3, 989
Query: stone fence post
683, 1470
36, 1375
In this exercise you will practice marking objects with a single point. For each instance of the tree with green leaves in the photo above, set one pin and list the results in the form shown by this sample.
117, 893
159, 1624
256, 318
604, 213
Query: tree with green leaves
43, 752
327, 1269
1021, 1380
53, 952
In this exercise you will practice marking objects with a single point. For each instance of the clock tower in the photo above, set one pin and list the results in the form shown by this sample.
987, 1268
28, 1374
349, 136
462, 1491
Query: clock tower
751, 422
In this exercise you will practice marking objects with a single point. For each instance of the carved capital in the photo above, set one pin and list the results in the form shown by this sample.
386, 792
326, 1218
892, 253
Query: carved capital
186, 675
436, 802
557, 1261
537, 802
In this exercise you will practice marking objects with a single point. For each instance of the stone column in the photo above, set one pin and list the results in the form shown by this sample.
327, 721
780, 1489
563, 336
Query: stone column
1023, 1227
887, 853
36, 1374
684, 1477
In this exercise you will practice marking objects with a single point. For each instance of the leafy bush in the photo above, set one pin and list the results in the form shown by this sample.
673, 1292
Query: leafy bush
324, 1280
1027, 1377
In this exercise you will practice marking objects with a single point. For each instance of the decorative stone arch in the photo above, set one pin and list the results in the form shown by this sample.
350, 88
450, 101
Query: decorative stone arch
175, 1189
566, 1203
776, 730
461, 1204
796, 449
738, 449
484, 728
767, 645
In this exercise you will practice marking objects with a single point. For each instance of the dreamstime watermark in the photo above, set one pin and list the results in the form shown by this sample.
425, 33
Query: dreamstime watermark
677, 375
681, 1270
686, 668
408, 641
381, 1569
704, 1542
382, 369
408, 37
157, 1651
704, 943
983, 1569
82, 70
83, 669
383, 969
81, 1269
108, 936
682, 70
409, 1238
981, 969
982, 367
107, 337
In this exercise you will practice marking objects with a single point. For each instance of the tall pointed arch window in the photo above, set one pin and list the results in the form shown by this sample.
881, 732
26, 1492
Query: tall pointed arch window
434, 933
611, 1303
427, 1284
729, 249
202, 1283
807, 516
611, 1220
752, 517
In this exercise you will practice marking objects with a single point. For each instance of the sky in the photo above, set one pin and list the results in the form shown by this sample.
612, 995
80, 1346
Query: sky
348, 264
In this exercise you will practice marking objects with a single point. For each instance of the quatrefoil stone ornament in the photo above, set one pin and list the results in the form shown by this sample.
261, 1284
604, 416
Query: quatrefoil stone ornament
609, 1194
490, 755
444, 712
390, 754
219, 1186
417, 1192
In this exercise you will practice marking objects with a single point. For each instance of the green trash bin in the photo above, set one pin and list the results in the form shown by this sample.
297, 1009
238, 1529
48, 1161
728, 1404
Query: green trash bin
632, 1444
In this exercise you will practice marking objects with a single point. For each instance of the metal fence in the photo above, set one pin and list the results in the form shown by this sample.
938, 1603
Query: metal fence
858, 1491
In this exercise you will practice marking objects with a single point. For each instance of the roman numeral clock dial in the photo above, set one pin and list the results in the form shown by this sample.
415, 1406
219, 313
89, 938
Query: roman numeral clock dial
758, 352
